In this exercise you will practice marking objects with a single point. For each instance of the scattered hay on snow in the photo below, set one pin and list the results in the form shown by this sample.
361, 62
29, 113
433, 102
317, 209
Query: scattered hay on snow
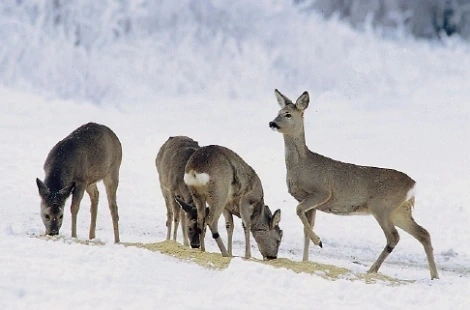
205, 259
68, 240
331, 272
217, 261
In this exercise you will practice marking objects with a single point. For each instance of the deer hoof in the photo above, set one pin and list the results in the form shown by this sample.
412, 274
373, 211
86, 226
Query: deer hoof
320, 244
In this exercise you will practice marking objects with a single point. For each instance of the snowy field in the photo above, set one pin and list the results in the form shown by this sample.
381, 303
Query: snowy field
396, 104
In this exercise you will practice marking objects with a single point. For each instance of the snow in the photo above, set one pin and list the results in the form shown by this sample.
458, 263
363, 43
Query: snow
396, 104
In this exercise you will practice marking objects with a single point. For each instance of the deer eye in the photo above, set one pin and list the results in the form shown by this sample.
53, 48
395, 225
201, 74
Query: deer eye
288, 115
61, 216
47, 217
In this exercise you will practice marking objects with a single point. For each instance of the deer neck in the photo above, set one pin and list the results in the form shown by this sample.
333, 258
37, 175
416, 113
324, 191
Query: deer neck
295, 147
258, 222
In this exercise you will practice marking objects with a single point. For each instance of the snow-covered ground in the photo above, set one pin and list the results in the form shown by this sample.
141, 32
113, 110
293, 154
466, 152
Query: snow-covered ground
402, 105
428, 144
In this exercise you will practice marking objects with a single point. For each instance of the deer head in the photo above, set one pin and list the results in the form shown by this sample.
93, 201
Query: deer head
191, 213
289, 120
52, 206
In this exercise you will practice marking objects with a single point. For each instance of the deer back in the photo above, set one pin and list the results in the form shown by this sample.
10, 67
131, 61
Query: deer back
85, 155
171, 161
351, 186
221, 178
218, 171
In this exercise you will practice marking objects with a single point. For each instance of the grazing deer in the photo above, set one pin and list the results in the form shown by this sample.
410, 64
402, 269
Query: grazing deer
89, 154
228, 212
331, 186
171, 161
218, 176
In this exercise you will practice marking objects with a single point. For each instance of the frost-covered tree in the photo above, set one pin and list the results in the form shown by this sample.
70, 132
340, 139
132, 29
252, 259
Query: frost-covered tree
421, 18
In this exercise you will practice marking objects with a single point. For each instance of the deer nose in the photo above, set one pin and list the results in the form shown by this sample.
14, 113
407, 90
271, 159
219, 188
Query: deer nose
273, 125
53, 233
270, 257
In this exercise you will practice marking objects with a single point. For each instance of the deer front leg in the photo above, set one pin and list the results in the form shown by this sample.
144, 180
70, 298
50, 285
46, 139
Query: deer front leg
176, 218
311, 203
200, 204
77, 196
184, 227
311, 218
169, 212
245, 212
94, 194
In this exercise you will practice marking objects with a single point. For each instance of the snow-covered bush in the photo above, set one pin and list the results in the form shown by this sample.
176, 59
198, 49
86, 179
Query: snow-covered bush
421, 18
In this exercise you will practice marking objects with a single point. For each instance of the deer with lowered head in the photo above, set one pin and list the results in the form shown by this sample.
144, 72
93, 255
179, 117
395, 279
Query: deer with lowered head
171, 161
321, 183
221, 178
74, 165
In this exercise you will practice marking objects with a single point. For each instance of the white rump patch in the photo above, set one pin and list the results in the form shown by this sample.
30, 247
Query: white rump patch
411, 193
196, 179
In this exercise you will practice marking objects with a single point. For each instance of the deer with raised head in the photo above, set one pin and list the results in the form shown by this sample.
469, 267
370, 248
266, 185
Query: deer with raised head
171, 161
321, 183
74, 165
221, 178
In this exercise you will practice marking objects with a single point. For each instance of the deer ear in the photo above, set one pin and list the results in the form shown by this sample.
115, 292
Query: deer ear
275, 219
302, 101
191, 210
281, 99
67, 190
43, 190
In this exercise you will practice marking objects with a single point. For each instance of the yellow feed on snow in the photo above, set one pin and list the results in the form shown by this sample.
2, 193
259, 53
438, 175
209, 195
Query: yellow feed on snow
217, 261
331, 272
205, 259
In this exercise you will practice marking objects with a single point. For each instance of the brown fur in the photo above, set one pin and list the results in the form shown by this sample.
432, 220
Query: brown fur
220, 177
89, 154
171, 161
321, 183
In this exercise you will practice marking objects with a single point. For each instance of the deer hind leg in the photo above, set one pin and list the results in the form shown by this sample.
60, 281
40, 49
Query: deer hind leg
392, 236
403, 219
77, 196
215, 210
229, 226
111, 182
94, 194
311, 219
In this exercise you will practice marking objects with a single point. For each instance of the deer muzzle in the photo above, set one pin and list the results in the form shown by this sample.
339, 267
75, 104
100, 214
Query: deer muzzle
273, 126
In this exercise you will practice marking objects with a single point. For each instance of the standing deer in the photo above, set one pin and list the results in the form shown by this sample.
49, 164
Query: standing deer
171, 161
331, 186
89, 154
218, 176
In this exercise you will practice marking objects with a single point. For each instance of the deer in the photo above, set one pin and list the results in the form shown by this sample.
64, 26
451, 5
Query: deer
89, 154
219, 177
321, 183
170, 162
